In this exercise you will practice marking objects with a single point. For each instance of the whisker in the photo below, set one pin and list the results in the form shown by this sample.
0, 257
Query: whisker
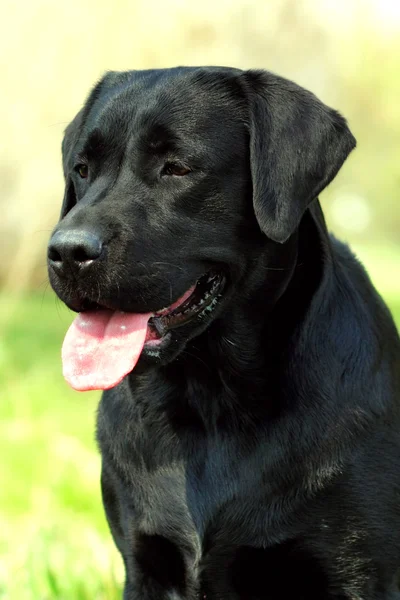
169, 265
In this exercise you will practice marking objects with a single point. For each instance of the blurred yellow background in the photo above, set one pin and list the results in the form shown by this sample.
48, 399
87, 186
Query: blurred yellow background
53, 539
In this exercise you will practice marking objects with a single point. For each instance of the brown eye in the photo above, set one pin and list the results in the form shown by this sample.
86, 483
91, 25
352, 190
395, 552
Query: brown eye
83, 171
175, 169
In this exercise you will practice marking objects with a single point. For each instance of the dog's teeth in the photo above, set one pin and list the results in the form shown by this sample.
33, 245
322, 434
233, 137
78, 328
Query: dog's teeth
153, 353
159, 326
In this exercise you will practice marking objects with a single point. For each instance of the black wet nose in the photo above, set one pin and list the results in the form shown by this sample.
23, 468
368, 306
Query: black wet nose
75, 248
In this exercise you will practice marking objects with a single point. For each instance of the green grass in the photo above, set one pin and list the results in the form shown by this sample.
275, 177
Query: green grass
54, 541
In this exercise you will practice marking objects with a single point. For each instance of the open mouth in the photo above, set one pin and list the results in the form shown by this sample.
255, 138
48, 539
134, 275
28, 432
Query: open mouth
199, 300
102, 346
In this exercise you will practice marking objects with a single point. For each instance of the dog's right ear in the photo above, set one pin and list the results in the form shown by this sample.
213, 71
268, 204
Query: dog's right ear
74, 130
71, 136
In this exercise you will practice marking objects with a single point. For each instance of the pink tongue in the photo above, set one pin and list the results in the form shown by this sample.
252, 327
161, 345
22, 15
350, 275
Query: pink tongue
100, 348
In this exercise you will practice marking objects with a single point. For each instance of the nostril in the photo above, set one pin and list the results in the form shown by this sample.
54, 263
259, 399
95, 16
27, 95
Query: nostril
54, 255
82, 255
90, 250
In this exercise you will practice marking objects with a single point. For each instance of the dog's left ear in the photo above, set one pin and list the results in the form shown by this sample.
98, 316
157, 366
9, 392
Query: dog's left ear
297, 146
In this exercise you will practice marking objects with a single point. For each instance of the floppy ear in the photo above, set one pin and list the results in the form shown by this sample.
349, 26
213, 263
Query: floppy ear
71, 136
109, 80
74, 131
297, 146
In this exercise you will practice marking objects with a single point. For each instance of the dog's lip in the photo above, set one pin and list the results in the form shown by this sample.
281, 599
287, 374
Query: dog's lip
203, 295
198, 298
103, 344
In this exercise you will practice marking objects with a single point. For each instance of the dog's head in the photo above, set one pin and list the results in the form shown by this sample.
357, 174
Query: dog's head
176, 181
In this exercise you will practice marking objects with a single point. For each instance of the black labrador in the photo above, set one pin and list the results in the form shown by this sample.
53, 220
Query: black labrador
250, 431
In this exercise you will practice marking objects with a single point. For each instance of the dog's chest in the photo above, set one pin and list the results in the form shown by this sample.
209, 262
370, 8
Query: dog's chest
167, 480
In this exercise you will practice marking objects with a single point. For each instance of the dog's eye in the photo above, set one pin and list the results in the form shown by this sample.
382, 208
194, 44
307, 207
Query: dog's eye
175, 169
83, 170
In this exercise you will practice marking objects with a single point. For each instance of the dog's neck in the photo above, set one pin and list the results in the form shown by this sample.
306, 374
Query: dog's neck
248, 364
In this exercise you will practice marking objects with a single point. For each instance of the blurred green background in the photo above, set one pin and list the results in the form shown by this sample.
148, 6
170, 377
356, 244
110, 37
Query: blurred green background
54, 541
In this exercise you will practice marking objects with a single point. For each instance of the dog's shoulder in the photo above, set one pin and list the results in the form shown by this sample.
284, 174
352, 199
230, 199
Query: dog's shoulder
348, 346
359, 296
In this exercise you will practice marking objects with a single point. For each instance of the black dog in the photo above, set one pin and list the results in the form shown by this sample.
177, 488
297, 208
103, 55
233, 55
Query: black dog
254, 451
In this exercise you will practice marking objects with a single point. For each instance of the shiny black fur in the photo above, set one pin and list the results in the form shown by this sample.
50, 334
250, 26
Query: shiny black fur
258, 455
